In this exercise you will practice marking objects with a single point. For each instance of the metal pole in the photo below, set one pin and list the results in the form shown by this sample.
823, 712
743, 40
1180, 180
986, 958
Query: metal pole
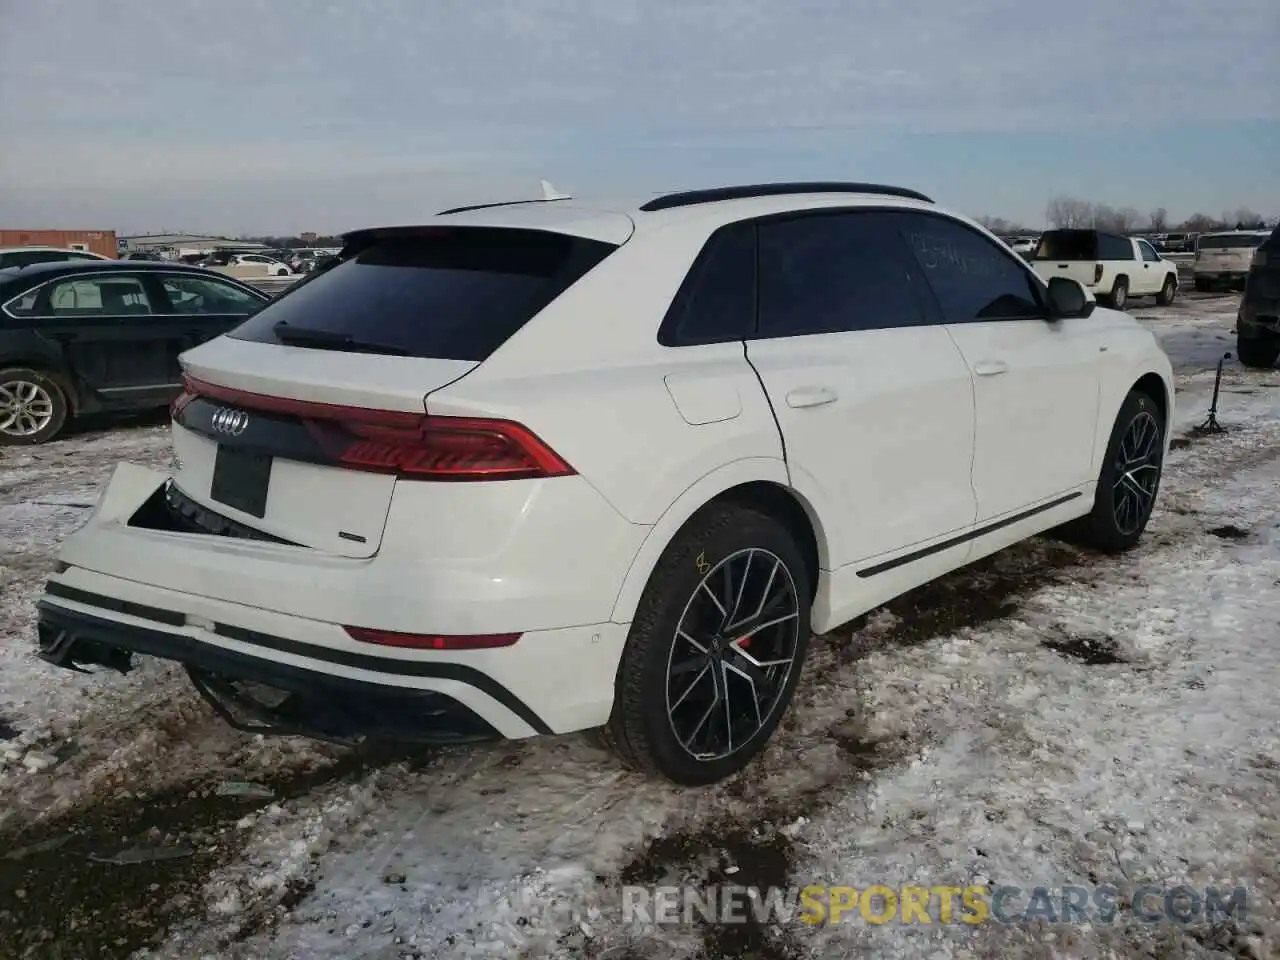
1211, 424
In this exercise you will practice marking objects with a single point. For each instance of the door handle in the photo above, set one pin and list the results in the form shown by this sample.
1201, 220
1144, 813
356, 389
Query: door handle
811, 396
990, 368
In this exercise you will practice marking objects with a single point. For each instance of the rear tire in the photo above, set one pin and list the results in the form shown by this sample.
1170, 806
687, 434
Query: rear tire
1256, 352
1129, 481
1168, 293
33, 407
1119, 293
722, 622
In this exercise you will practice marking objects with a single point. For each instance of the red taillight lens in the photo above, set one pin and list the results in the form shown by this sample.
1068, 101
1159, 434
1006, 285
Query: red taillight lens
1097, 273
180, 402
432, 641
410, 445
443, 448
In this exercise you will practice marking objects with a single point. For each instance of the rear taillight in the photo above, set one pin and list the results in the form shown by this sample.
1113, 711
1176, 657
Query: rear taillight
1097, 273
180, 402
409, 445
441, 448
432, 641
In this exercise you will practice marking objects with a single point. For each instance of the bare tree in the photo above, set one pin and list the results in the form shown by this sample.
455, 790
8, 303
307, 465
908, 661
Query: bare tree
1245, 219
1069, 213
1002, 227
1201, 223
1159, 220
1127, 220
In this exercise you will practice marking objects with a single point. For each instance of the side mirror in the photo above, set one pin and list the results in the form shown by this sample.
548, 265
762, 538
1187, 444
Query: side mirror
1069, 299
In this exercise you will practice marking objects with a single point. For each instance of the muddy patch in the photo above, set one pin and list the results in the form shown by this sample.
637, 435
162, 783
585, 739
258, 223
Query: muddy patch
987, 590
1229, 532
1092, 651
744, 865
111, 879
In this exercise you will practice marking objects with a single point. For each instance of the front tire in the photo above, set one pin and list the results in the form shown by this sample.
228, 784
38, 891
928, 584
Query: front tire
1129, 481
1256, 352
1168, 292
33, 407
715, 649
1120, 293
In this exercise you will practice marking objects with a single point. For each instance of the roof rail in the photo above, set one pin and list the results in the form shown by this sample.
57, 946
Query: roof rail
688, 198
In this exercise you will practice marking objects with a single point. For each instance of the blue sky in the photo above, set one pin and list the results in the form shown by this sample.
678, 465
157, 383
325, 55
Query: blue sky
265, 115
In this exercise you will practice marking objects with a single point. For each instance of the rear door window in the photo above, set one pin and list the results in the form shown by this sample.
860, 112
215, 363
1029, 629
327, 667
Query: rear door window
830, 273
454, 293
202, 295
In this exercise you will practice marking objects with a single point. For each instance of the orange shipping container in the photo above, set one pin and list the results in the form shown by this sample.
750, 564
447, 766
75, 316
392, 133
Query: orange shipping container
102, 242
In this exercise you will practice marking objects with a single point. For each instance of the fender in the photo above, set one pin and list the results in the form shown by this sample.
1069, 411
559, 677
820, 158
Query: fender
1112, 395
696, 496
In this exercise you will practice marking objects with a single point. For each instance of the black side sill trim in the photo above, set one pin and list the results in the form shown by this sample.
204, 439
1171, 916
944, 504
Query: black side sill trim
384, 665
964, 537
140, 610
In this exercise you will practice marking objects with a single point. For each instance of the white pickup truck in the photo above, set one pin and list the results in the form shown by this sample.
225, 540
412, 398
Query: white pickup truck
1112, 266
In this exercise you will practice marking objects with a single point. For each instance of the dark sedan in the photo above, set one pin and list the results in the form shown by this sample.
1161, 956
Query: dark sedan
83, 337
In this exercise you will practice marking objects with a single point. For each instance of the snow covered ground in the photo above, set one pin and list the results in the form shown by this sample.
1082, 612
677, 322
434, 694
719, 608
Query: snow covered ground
1046, 718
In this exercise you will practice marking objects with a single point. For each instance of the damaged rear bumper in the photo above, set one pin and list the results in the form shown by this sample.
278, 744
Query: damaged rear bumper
261, 695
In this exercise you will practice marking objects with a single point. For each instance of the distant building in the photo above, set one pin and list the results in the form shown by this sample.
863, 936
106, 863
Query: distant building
101, 242
185, 244
308, 239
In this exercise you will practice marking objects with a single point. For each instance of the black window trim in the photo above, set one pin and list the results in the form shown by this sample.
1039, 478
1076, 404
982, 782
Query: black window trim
667, 334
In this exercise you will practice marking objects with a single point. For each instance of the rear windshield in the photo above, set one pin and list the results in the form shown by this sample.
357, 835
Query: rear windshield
1231, 241
1067, 245
453, 293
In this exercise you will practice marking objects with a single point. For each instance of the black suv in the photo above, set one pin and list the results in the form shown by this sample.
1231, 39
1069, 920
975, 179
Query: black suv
84, 336
1258, 325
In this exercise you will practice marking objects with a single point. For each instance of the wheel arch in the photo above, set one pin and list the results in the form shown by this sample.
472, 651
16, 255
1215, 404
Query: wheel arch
1160, 392
758, 482
55, 371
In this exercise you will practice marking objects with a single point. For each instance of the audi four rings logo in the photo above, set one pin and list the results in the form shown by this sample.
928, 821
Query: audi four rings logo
229, 421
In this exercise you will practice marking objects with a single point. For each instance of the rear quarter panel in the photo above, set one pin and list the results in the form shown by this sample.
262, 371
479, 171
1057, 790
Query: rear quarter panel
590, 378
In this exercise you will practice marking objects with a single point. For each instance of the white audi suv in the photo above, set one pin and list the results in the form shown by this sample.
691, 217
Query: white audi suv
547, 466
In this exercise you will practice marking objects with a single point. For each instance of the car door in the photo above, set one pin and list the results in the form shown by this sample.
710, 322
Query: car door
1151, 273
110, 332
1035, 382
874, 402
203, 307
1152, 265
